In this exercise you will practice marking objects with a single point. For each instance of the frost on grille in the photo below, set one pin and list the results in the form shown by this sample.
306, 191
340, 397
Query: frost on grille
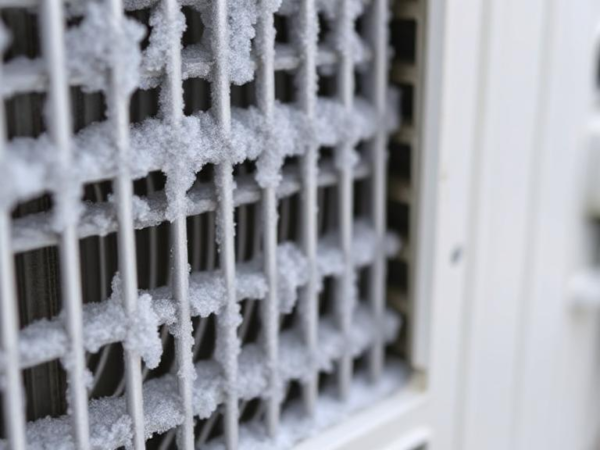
191, 194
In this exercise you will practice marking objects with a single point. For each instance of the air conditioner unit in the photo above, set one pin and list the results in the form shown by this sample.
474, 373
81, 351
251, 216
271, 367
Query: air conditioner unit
297, 224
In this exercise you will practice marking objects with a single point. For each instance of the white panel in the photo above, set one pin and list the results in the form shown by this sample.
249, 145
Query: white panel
560, 378
504, 139
456, 152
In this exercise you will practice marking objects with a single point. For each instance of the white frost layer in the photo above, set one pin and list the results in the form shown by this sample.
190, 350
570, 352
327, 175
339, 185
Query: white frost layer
105, 322
29, 167
165, 31
242, 15
111, 427
99, 44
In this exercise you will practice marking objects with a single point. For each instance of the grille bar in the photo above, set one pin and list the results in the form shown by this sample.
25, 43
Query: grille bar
307, 84
173, 111
58, 120
26, 76
227, 339
14, 404
345, 162
34, 232
266, 102
119, 112
377, 29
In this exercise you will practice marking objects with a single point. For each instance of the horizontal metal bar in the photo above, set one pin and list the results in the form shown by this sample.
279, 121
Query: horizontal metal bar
345, 301
29, 75
118, 112
34, 231
58, 114
306, 33
378, 34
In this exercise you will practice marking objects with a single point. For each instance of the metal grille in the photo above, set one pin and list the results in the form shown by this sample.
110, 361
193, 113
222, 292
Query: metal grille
193, 262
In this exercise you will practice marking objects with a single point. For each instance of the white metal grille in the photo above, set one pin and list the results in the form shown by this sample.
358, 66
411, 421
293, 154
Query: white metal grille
220, 164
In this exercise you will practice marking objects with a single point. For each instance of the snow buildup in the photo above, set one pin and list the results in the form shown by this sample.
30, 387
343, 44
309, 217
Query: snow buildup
345, 39
225, 352
292, 273
42, 339
338, 125
103, 323
110, 427
183, 151
141, 209
207, 293
208, 389
30, 167
24, 169
16, 67
242, 19
67, 193
106, 321
165, 31
253, 373
243, 15
250, 282
162, 406
143, 337
285, 136
99, 44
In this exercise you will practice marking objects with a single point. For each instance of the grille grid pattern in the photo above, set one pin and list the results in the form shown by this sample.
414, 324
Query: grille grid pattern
255, 370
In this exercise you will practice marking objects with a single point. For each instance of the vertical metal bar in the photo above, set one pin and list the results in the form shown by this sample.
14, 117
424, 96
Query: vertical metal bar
58, 118
266, 101
227, 332
180, 278
307, 97
377, 90
14, 404
118, 111
346, 284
